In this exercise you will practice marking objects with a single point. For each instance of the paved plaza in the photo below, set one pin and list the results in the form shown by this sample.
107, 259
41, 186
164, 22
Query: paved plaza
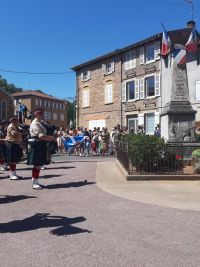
88, 215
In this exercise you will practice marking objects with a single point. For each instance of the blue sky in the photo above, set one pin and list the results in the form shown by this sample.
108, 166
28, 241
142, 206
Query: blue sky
54, 35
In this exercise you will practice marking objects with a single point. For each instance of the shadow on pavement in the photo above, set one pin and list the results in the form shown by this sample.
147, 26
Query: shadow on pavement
9, 199
68, 185
44, 220
4, 177
42, 176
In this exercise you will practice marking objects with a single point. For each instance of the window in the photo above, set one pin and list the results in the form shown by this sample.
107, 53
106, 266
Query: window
108, 68
149, 53
49, 104
37, 102
55, 116
152, 52
53, 105
130, 61
86, 100
130, 89
47, 115
108, 93
133, 123
149, 123
85, 76
40, 102
149, 86
56, 105
62, 117
60, 106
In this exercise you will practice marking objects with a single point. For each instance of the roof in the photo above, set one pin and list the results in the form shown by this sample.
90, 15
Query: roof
35, 93
177, 36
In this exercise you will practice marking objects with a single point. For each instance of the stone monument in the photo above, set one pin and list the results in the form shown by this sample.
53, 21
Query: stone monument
178, 112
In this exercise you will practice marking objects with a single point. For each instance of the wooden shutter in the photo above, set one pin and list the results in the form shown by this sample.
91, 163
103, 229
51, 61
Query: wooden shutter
127, 61
110, 93
81, 76
157, 84
141, 55
123, 91
132, 60
137, 89
104, 68
106, 94
142, 88
89, 75
112, 66
141, 119
157, 50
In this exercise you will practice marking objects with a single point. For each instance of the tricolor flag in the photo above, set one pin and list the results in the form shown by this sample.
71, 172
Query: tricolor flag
179, 56
191, 45
166, 43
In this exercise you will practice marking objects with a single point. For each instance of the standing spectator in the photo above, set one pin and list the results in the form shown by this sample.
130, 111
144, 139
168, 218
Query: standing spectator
105, 141
2, 146
60, 144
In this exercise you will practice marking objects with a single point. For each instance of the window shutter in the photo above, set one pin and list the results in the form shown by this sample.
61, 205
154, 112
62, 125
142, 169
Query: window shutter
156, 118
137, 89
157, 84
132, 60
127, 61
142, 88
124, 92
110, 93
89, 75
141, 55
112, 66
141, 119
81, 76
106, 93
157, 51
104, 68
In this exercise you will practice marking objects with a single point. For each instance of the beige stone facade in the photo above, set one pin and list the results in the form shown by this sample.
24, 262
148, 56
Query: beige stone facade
6, 107
55, 110
120, 107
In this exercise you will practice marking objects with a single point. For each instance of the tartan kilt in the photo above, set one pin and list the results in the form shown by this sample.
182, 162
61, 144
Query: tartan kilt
38, 153
2, 150
14, 152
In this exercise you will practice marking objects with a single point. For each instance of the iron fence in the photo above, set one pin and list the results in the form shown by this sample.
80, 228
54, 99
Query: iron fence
154, 158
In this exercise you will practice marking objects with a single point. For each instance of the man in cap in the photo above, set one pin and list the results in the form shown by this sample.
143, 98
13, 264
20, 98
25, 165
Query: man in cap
13, 149
37, 148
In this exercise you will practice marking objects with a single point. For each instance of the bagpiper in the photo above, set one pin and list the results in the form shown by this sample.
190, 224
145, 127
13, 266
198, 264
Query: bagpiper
38, 153
13, 149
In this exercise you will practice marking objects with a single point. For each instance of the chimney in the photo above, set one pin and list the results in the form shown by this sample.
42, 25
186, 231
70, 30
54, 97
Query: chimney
191, 24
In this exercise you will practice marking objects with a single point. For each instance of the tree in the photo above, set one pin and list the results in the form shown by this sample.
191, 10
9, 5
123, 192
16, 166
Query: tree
10, 88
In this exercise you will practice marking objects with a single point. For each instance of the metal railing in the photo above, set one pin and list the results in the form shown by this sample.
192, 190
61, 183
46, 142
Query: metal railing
153, 158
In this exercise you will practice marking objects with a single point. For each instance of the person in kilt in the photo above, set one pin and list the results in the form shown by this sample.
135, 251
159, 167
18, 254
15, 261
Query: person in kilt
38, 153
13, 149
2, 146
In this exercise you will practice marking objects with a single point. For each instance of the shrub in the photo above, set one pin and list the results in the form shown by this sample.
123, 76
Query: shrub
196, 153
150, 153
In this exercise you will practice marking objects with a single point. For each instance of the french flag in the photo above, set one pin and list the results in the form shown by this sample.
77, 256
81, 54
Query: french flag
166, 44
179, 56
191, 45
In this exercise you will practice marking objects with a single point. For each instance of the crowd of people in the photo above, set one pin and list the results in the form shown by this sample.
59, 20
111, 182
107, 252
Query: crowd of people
39, 141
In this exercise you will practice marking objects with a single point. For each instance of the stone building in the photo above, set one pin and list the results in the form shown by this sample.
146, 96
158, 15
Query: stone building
55, 110
127, 86
6, 107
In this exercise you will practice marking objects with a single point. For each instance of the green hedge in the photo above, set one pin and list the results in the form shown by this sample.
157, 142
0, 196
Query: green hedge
150, 153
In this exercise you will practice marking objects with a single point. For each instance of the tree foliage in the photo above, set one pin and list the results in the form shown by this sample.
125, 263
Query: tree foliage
10, 88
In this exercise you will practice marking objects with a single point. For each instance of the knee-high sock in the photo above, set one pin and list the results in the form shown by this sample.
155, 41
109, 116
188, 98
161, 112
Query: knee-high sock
35, 173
